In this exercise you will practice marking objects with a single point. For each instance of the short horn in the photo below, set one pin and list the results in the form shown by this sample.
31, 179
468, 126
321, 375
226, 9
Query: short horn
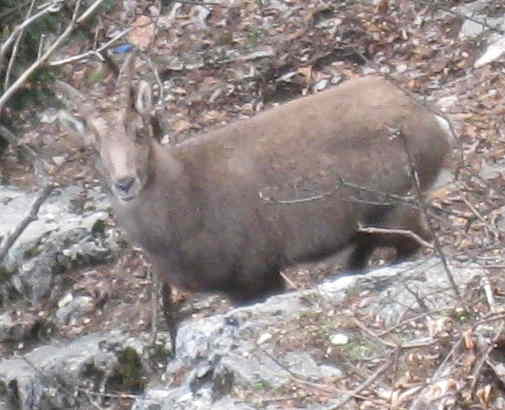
124, 82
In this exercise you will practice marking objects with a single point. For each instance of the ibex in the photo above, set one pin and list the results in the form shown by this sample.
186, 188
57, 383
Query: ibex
226, 211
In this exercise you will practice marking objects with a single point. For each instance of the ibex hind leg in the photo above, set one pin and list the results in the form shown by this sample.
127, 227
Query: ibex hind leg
364, 245
403, 218
257, 290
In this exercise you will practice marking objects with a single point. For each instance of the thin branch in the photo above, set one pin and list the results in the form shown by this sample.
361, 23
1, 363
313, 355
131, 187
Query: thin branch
8, 135
488, 291
9, 240
294, 201
297, 378
90, 53
461, 15
15, 48
424, 210
22, 26
75, 21
413, 235
25, 149
119, 395
494, 317
372, 334
485, 357
409, 321
14, 9
388, 199
88, 12
199, 3
290, 283
415, 294
478, 215
440, 370
428, 341
363, 385
42, 43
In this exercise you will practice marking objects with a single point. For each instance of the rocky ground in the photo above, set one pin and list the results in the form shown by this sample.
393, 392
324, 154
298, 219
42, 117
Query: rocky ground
76, 319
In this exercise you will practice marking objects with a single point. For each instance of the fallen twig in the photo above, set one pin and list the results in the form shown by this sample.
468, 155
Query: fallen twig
413, 235
363, 385
488, 291
484, 358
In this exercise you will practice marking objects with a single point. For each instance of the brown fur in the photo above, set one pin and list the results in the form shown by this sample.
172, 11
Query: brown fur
210, 212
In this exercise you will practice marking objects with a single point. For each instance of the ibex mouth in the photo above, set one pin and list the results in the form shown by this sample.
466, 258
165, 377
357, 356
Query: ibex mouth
125, 198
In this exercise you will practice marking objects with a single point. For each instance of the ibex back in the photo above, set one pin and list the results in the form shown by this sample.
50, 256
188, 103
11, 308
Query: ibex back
226, 211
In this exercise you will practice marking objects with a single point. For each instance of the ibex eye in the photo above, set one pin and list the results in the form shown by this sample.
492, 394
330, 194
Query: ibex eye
139, 136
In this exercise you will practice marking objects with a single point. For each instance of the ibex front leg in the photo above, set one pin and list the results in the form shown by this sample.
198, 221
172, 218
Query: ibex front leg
162, 292
170, 312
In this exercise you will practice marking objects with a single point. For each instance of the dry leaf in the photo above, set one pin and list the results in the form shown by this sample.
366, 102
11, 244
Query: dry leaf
181, 126
468, 338
383, 7
142, 34
306, 72
484, 395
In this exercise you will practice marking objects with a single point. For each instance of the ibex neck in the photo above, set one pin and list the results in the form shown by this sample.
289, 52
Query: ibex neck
165, 167
149, 218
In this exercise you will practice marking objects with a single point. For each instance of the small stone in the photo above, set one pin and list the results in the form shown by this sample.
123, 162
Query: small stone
265, 337
59, 159
65, 300
339, 339
321, 85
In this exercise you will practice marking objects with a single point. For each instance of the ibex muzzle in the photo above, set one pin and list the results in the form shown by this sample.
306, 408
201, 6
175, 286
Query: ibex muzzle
228, 210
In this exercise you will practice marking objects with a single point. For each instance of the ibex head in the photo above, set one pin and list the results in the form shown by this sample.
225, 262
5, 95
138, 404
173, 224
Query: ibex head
122, 135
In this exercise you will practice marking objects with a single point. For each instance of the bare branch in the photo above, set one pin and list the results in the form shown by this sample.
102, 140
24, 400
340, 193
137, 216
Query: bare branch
6, 45
8, 135
290, 283
199, 3
15, 49
424, 210
413, 235
387, 199
488, 291
294, 201
436, 5
75, 21
14, 9
364, 385
91, 52
484, 358
9, 240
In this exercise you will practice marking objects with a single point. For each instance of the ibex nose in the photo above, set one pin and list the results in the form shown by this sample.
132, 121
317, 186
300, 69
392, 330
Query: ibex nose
124, 184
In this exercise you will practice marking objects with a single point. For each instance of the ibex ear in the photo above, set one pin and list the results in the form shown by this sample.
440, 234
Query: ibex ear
77, 128
82, 129
144, 99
